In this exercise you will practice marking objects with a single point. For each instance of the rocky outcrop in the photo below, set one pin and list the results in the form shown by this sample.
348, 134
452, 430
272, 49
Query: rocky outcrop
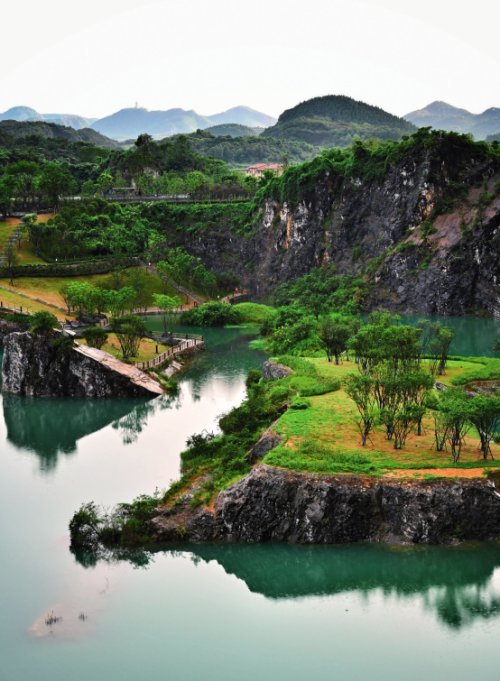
274, 370
379, 225
274, 505
268, 440
41, 367
6, 328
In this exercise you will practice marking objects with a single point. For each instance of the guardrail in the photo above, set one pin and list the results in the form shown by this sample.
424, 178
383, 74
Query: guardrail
189, 344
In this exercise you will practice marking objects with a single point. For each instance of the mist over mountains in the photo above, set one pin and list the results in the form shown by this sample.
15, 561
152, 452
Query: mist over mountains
443, 116
321, 122
131, 122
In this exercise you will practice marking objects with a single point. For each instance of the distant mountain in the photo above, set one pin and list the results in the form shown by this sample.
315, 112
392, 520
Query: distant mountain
233, 130
22, 129
129, 123
26, 113
336, 120
243, 115
443, 116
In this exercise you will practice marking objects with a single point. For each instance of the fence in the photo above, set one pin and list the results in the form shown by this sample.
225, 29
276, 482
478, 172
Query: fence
193, 343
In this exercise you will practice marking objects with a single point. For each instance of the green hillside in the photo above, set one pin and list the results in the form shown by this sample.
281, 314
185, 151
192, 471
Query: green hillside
336, 120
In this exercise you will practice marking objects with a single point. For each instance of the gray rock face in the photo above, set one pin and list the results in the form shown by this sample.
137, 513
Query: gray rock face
274, 370
357, 223
42, 368
274, 505
269, 440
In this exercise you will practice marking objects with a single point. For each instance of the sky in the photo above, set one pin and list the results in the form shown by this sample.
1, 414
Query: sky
98, 56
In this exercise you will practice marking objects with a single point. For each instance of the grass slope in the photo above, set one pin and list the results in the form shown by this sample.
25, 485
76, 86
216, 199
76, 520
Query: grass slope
323, 437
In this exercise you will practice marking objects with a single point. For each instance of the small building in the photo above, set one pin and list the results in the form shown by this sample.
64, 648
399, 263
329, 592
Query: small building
259, 169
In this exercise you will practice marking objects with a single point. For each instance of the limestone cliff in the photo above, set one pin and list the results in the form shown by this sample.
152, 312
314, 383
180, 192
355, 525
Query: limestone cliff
41, 367
423, 229
281, 506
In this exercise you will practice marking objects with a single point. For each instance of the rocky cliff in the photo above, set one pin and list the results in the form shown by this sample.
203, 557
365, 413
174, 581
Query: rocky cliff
422, 226
50, 367
425, 233
281, 506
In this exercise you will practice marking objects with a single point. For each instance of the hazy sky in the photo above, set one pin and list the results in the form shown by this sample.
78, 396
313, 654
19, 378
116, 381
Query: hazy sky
97, 56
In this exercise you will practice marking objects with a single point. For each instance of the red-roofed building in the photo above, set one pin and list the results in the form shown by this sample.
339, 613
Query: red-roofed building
259, 169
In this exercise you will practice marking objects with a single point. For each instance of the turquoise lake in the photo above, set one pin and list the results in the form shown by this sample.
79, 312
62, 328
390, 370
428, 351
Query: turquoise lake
211, 613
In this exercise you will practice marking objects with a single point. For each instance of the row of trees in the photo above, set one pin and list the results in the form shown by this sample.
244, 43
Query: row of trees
31, 183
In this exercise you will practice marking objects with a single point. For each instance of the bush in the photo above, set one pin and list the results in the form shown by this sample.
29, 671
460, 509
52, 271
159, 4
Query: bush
43, 323
211, 314
95, 336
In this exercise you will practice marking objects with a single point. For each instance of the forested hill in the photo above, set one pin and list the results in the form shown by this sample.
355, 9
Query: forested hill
336, 120
15, 130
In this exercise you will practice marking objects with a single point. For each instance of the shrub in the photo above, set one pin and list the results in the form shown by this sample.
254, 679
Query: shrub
211, 314
95, 336
43, 323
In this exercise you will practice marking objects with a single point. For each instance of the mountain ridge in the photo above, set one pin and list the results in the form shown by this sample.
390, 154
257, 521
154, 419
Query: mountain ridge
444, 116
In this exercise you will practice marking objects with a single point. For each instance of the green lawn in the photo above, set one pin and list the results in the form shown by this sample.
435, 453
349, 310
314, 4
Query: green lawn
323, 438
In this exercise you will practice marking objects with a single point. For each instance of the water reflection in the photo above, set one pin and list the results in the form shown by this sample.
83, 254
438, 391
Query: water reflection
456, 583
133, 423
52, 427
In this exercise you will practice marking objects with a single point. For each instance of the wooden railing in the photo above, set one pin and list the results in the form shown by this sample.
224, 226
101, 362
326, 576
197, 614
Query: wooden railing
193, 343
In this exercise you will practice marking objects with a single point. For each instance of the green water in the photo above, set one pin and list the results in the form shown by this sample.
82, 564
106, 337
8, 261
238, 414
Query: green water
473, 336
210, 613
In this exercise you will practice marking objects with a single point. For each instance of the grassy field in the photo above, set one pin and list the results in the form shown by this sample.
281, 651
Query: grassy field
13, 300
25, 256
48, 288
323, 437
147, 349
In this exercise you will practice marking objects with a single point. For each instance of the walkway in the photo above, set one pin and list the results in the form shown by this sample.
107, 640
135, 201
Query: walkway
132, 372
189, 344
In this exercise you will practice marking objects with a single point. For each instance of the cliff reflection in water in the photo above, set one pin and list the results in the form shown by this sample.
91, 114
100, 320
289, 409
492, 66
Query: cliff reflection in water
49, 427
455, 583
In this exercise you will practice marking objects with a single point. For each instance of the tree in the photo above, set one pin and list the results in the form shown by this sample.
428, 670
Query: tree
439, 347
484, 414
55, 180
167, 304
26, 226
95, 336
455, 407
10, 259
130, 330
121, 301
359, 389
334, 332
105, 182
43, 323
6, 195
405, 419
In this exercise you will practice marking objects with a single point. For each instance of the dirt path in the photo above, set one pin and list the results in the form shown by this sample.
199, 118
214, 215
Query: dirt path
437, 472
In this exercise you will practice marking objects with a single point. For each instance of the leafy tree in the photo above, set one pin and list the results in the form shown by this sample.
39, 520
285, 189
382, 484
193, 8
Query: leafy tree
167, 304
43, 323
26, 226
6, 195
404, 421
334, 332
455, 407
95, 336
54, 181
10, 259
439, 347
484, 414
359, 389
130, 330
121, 301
